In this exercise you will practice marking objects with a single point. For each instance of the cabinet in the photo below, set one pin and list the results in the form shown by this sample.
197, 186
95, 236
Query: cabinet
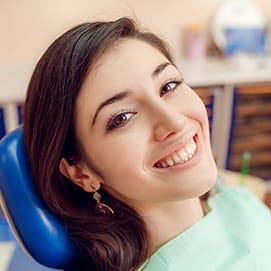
251, 129
246, 110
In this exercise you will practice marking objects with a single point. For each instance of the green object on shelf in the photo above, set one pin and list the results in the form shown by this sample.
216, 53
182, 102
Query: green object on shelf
245, 165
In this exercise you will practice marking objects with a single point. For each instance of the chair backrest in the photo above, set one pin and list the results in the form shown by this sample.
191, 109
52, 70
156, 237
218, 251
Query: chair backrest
36, 228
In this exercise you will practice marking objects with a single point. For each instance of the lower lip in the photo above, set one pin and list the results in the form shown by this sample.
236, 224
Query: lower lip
191, 162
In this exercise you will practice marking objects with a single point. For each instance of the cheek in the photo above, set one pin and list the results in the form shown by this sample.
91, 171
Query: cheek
120, 157
203, 115
200, 112
123, 171
190, 104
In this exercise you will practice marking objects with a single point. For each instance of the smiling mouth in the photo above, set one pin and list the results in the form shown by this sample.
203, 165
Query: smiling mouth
178, 157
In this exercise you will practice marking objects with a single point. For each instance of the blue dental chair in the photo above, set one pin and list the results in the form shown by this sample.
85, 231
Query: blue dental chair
38, 231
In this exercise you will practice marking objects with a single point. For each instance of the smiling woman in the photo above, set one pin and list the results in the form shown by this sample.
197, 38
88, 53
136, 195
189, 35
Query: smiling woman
119, 148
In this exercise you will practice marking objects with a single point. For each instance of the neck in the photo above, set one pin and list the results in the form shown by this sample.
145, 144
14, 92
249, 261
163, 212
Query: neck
167, 221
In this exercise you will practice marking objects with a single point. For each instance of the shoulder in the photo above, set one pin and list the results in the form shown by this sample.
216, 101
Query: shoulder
237, 205
237, 196
246, 221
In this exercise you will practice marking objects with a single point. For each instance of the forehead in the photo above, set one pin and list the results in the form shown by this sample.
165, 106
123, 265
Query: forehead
122, 66
127, 60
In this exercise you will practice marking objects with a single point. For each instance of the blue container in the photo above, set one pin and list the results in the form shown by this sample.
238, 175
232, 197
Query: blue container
247, 40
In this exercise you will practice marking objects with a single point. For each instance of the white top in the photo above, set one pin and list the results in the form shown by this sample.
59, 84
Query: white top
234, 236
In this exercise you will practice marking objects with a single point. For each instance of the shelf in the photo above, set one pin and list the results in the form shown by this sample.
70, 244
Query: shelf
251, 129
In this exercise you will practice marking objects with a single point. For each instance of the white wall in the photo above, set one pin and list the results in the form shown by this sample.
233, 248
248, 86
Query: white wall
28, 26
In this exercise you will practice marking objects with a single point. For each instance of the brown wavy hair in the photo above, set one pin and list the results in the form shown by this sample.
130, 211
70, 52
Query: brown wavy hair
105, 243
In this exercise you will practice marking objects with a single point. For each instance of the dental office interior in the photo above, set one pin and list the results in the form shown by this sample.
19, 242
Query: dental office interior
222, 47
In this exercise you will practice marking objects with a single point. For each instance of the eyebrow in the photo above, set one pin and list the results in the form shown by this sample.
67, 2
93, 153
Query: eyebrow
159, 69
124, 94
113, 99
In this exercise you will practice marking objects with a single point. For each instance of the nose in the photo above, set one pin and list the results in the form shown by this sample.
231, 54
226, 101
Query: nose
168, 122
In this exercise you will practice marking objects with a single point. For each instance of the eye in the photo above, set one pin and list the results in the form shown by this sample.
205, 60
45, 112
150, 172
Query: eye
119, 120
169, 86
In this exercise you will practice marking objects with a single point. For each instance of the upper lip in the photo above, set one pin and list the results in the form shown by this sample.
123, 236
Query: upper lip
175, 146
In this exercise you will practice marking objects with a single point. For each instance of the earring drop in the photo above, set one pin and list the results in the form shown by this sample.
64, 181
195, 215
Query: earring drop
101, 208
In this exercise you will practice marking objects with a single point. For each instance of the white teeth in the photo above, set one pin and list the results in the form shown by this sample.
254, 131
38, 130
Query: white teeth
189, 150
193, 145
179, 157
170, 162
183, 155
176, 158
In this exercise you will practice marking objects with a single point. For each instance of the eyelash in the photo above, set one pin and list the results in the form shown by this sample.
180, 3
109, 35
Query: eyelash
168, 87
111, 124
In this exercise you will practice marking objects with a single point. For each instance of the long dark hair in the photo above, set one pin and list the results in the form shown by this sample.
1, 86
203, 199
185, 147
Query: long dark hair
119, 243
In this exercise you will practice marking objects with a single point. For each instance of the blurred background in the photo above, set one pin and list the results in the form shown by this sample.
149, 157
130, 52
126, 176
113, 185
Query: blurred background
222, 47
28, 26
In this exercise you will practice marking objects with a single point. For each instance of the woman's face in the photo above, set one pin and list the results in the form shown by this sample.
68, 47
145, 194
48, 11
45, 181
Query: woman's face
143, 129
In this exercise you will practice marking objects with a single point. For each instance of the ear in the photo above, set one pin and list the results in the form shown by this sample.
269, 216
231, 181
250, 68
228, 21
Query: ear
79, 174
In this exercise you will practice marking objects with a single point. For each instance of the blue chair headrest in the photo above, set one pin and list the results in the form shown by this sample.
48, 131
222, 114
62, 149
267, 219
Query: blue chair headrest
40, 232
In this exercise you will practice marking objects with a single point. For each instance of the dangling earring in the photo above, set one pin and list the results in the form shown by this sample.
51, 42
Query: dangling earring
101, 208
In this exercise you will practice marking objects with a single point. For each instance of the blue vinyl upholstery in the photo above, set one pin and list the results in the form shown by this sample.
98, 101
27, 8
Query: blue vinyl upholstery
38, 230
